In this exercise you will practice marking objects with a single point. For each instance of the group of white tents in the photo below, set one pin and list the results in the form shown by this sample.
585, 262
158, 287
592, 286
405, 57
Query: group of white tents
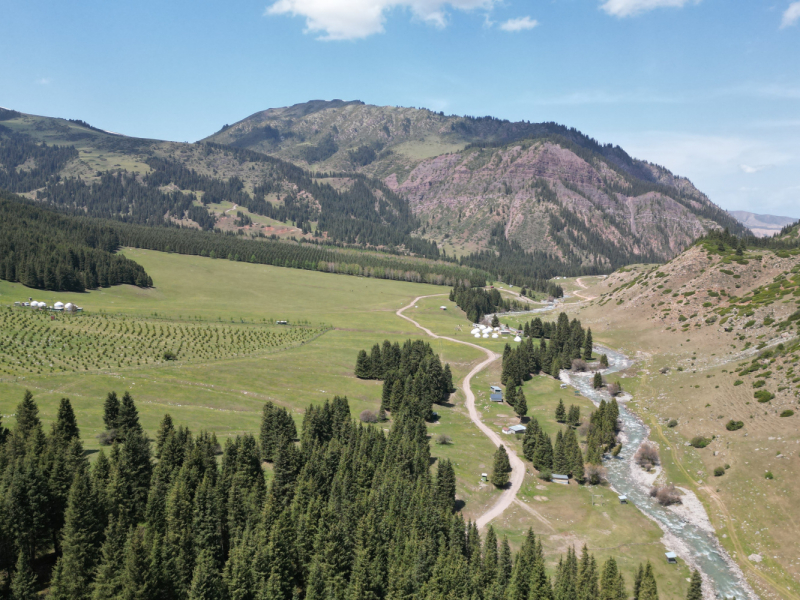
486, 332
59, 306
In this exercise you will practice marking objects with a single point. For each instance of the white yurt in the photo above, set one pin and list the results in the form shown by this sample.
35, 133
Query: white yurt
495, 336
474, 331
486, 335
58, 306
35, 304
69, 307
477, 335
497, 329
517, 339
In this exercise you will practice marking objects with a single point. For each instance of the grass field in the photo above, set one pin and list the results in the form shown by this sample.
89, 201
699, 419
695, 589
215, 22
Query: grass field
332, 317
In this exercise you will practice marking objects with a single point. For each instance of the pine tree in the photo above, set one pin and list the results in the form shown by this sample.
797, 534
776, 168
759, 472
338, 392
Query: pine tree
587, 345
23, 582
695, 587
445, 485
111, 411
164, 431
495, 321
66, 426
128, 419
511, 395
611, 582
520, 404
637, 581
648, 589
27, 417
604, 361
574, 455
561, 413
80, 544
501, 467
363, 366
207, 581
560, 462
597, 381
543, 459
530, 439
573, 415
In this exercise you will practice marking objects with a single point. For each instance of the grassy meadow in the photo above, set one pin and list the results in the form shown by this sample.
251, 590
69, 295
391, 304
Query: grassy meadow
220, 387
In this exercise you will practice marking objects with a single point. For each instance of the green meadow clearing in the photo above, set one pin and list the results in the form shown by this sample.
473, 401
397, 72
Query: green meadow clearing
231, 358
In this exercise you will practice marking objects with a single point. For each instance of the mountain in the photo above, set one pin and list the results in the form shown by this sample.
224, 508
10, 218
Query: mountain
473, 182
761, 225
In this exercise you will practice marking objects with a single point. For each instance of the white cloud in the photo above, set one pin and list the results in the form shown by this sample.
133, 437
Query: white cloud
628, 8
354, 19
791, 16
750, 169
519, 24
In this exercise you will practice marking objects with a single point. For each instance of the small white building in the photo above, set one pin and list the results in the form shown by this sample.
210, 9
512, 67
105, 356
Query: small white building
496, 388
562, 479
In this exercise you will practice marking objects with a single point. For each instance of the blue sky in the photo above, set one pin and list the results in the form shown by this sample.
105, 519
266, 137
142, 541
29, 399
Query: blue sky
707, 88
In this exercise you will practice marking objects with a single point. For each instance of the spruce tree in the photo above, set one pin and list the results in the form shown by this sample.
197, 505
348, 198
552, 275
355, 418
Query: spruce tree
501, 467
23, 581
637, 581
80, 544
128, 419
587, 345
573, 415
604, 361
511, 395
597, 381
561, 413
520, 404
560, 462
648, 589
207, 583
543, 459
363, 366
27, 417
695, 587
530, 439
66, 426
445, 485
164, 431
111, 411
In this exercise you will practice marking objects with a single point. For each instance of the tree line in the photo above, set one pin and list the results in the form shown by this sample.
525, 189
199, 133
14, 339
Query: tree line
413, 376
350, 512
477, 302
50, 251
568, 342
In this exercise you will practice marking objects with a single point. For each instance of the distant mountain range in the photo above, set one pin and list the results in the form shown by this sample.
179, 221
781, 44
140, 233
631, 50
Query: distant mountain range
538, 198
762, 225
474, 181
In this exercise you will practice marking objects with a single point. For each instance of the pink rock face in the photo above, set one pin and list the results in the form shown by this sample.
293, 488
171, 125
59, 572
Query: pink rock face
591, 208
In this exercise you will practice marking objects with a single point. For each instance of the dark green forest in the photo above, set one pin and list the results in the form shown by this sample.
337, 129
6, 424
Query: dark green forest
51, 251
350, 513
477, 302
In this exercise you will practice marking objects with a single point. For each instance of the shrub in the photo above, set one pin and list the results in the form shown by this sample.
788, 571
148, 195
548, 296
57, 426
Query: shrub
595, 474
738, 382
545, 475
444, 439
763, 396
719, 471
665, 495
700, 441
734, 425
578, 365
750, 323
787, 413
672, 423
615, 388
617, 449
170, 355
106, 438
647, 456
367, 416
769, 475
759, 383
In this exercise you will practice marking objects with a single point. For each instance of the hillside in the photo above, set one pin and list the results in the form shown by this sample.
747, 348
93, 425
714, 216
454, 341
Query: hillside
715, 333
544, 186
762, 225
71, 164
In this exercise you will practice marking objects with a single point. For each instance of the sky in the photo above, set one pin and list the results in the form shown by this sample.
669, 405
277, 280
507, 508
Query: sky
707, 88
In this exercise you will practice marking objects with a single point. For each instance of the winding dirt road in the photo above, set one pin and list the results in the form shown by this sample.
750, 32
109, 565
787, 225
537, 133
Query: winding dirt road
517, 466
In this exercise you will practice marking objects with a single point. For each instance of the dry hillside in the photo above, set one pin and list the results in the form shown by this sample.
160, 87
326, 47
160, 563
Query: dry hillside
716, 335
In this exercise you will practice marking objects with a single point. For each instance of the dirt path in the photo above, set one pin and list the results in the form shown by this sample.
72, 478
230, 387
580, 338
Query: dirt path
235, 206
582, 285
517, 466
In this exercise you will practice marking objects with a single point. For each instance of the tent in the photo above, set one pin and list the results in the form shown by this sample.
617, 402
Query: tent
517, 339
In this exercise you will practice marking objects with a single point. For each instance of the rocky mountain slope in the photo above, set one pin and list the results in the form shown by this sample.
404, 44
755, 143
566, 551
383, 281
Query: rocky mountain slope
471, 180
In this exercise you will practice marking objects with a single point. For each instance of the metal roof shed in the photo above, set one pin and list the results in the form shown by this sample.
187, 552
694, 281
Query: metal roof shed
562, 479
623, 499
671, 557
517, 428
496, 397
496, 388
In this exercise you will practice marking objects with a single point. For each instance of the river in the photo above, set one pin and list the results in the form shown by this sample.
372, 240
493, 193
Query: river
702, 546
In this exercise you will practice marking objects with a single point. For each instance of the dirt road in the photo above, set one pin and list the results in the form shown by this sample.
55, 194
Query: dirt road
517, 466
582, 285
